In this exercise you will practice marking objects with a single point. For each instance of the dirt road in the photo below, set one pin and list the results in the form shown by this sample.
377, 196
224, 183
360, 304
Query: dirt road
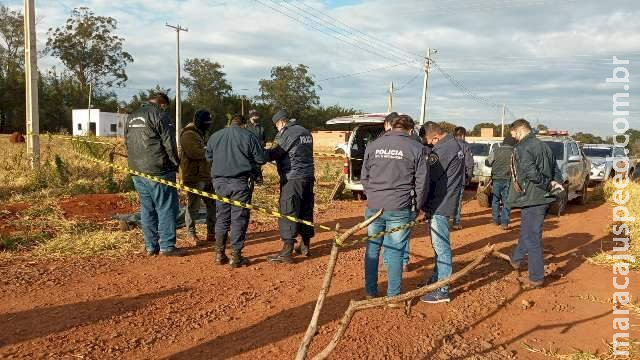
187, 308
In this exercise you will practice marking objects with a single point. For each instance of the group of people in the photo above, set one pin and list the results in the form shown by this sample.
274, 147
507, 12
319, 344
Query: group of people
406, 177
406, 171
227, 163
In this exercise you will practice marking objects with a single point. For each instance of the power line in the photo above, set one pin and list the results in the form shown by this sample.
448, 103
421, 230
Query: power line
362, 72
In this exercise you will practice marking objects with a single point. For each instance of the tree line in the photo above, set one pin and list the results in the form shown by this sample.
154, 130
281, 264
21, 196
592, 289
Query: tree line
94, 60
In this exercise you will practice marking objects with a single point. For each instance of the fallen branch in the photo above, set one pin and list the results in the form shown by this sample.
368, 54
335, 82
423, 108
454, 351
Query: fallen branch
326, 284
355, 306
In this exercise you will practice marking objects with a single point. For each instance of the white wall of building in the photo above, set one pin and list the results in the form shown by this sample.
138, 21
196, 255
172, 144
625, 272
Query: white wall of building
102, 123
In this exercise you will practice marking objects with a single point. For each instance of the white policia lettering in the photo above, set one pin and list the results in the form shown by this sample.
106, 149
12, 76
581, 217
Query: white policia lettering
621, 214
389, 154
306, 140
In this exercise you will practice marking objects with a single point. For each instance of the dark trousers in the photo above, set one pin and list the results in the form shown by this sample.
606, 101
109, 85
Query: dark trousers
232, 218
530, 241
296, 199
194, 203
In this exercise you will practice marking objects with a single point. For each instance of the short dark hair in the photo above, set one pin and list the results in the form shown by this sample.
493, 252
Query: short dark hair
509, 140
238, 119
520, 123
430, 128
404, 122
160, 98
460, 131
389, 118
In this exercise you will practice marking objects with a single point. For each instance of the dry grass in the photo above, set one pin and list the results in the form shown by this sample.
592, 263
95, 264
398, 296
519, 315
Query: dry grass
43, 230
606, 191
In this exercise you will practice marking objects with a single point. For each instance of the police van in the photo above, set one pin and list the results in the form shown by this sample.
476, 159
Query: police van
364, 128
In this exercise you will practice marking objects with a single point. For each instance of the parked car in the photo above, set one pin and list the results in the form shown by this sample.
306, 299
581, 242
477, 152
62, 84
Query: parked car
602, 157
364, 128
481, 148
575, 168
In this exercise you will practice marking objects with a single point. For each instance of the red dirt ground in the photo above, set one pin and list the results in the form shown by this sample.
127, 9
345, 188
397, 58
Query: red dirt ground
99, 207
8, 214
187, 308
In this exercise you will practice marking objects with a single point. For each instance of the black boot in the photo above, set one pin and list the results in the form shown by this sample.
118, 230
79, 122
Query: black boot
303, 248
221, 242
238, 260
284, 256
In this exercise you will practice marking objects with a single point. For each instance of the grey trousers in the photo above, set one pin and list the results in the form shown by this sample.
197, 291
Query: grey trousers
194, 203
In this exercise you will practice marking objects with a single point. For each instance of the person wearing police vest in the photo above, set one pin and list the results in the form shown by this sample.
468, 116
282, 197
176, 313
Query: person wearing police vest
535, 176
257, 129
150, 139
196, 173
460, 134
293, 153
234, 153
395, 178
446, 179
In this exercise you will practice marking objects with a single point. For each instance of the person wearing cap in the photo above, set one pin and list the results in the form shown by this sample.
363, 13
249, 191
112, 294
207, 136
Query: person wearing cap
395, 178
500, 163
293, 152
460, 134
446, 176
258, 130
195, 171
151, 149
234, 153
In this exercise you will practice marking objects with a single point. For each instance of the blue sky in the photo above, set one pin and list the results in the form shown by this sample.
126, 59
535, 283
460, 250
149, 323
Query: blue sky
547, 60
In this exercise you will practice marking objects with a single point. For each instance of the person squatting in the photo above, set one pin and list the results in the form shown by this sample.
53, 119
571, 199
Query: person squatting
408, 172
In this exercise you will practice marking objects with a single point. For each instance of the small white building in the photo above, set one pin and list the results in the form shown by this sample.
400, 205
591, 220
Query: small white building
94, 122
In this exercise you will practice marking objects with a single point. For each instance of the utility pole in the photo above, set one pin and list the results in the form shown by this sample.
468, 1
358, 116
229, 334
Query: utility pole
425, 85
504, 108
89, 110
31, 84
390, 104
178, 28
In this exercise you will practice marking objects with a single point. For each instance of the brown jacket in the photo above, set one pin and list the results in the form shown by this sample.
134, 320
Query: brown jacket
194, 167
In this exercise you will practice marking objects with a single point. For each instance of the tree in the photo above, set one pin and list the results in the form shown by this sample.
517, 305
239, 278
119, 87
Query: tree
12, 87
143, 95
207, 86
89, 49
290, 87
587, 138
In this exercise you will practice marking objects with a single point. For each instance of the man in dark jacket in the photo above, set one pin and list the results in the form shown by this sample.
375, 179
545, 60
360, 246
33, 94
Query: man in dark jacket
446, 178
461, 135
196, 173
500, 163
293, 152
395, 178
258, 130
535, 173
151, 147
234, 153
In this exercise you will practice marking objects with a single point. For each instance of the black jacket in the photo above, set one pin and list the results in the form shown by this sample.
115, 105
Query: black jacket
500, 162
293, 152
535, 167
394, 174
234, 152
258, 131
150, 137
468, 161
446, 176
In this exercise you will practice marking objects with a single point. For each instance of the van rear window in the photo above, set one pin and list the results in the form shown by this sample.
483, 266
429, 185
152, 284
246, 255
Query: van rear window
478, 149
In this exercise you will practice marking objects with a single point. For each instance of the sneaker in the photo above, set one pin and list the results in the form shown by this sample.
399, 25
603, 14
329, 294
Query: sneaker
528, 284
436, 296
456, 227
173, 252
504, 227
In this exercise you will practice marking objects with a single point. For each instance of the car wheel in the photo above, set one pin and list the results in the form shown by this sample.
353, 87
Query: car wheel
557, 207
584, 193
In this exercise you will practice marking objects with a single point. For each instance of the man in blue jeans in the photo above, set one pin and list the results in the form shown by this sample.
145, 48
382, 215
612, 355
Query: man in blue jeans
446, 169
151, 147
395, 178
535, 173
500, 163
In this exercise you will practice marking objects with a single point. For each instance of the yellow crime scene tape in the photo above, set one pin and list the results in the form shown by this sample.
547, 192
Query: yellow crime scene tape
269, 212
